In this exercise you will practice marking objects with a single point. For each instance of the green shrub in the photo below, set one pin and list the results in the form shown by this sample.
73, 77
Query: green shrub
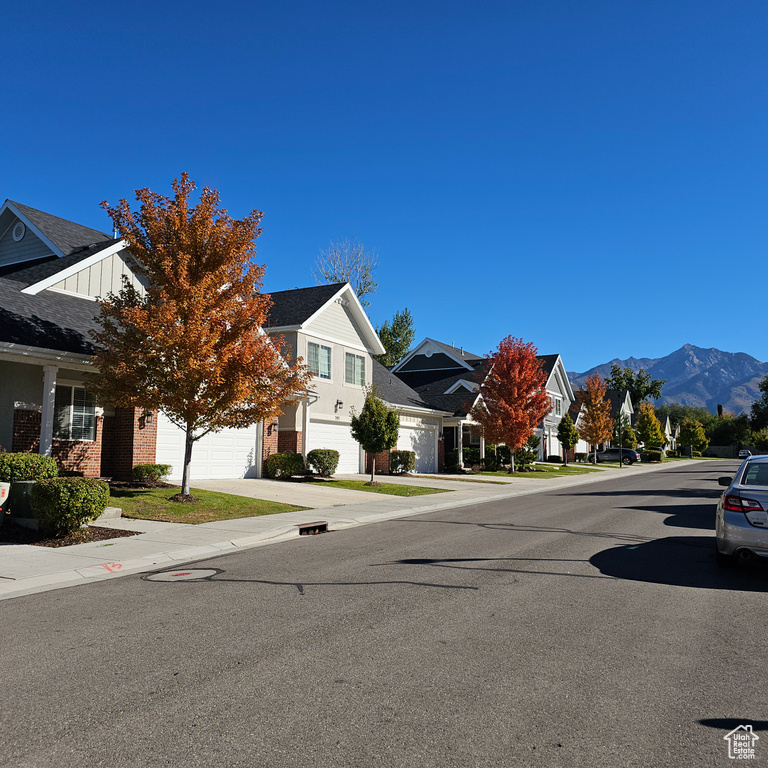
150, 474
282, 466
489, 462
451, 461
503, 454
62, 504
697, 454
401, 462
71, 473
651, 454
554, 459
323, 461
471, 456
26, 466
672, 453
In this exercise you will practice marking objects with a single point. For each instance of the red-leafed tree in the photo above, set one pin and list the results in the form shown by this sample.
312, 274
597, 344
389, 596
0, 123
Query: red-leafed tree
513, 396
191, 344
596, 424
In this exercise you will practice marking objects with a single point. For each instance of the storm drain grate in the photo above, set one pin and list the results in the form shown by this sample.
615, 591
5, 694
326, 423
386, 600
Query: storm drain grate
310, 529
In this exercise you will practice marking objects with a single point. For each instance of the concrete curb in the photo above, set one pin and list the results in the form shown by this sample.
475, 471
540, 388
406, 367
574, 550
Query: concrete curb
40, 570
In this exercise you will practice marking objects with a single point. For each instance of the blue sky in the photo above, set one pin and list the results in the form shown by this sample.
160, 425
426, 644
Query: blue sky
588, 176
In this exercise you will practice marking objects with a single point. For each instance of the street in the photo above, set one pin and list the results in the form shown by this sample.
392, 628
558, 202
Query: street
580, 627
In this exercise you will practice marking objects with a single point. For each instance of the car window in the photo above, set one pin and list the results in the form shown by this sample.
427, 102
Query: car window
756, 474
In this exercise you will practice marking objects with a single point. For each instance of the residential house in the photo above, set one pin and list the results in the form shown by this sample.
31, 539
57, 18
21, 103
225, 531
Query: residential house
447, 378
51, 272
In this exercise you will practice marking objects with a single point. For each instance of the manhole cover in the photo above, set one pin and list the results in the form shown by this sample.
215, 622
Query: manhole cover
184, 574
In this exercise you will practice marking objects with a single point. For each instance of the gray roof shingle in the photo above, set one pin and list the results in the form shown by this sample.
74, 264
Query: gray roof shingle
298, 305
65, 235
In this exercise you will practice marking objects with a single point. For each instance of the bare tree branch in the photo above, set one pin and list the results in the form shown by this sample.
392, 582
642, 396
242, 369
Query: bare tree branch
347, 261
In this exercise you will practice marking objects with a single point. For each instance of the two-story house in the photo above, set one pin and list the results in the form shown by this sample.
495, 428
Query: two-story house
51, 273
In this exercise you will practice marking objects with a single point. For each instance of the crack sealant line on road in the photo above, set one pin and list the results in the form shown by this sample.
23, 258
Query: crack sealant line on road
188, 553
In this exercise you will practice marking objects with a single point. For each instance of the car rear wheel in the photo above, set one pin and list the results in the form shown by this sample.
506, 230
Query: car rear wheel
626, 460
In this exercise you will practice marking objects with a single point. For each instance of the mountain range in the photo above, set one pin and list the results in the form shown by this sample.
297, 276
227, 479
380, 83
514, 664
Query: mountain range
696, 376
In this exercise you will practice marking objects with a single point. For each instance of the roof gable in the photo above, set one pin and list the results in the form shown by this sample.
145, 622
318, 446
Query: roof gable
431, 354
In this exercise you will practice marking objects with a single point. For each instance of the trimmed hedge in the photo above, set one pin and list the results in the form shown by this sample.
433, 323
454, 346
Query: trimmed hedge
471, 456
651, 455
62, 504
554, 459
323, 461
451, 461
26, 466
401, 462
489, 463
150, 474
282, 466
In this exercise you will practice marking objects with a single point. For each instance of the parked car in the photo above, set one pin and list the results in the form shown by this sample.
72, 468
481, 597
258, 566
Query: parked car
745, 453
628, 455
742, 513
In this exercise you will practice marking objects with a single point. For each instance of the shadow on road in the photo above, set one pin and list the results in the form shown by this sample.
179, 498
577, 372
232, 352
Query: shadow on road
682, 561
698, 516
729, 723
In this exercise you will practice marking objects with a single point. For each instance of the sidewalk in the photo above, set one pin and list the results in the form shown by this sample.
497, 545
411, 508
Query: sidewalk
26, 569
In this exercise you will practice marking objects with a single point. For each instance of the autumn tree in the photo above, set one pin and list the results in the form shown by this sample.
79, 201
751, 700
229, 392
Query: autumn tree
396, 337
640, 384
692, 433
596, 423
648, 426
376, 428
628, 435
347, 261
191, 343
567, 434
513, 398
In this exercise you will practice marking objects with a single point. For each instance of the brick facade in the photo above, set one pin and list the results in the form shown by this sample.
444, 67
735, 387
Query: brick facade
382, 462
289, 441
76, 455
270, 441
130, 438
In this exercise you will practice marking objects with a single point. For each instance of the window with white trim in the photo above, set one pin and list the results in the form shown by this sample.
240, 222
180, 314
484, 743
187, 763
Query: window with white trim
558, 406
354, 369
319, 360
74, 414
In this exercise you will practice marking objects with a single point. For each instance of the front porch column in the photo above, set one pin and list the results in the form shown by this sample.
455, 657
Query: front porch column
482, 447
304, 428
460, 444
49, 399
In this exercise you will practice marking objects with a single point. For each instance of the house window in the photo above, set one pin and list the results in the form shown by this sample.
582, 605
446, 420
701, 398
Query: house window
558, 407
355, 370
319, 360
75, 414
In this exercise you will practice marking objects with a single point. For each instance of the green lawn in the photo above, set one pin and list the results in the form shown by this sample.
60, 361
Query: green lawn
388, 488
153, 504
547, 471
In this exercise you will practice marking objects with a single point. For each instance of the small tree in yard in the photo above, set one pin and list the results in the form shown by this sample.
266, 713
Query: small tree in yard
692, 433
376, 429
568, 435
628, 435
396, 337
192, 345
597, 425
648, 426
513, 398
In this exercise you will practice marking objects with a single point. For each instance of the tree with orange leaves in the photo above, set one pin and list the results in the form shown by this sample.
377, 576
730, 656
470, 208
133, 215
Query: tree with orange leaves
513, 398
191, 343
596, 423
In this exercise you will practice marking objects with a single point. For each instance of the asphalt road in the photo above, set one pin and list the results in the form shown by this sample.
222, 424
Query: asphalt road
572, 628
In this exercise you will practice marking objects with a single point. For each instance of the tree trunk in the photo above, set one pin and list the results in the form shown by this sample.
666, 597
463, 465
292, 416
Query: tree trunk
511, 462
565, 456
373, 467
188, 443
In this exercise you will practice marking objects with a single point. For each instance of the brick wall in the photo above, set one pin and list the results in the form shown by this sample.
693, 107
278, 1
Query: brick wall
270, 441
289, 441
382, 462
78, 455
130, 438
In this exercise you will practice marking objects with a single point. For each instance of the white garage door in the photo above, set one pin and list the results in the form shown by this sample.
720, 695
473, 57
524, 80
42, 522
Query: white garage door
338, 438
422, 443
220, 455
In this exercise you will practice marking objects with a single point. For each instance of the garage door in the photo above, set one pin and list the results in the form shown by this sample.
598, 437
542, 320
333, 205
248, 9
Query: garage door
337, 437
422, 443
221, 455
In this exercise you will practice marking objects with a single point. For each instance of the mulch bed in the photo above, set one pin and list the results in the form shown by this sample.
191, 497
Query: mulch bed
11, 533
